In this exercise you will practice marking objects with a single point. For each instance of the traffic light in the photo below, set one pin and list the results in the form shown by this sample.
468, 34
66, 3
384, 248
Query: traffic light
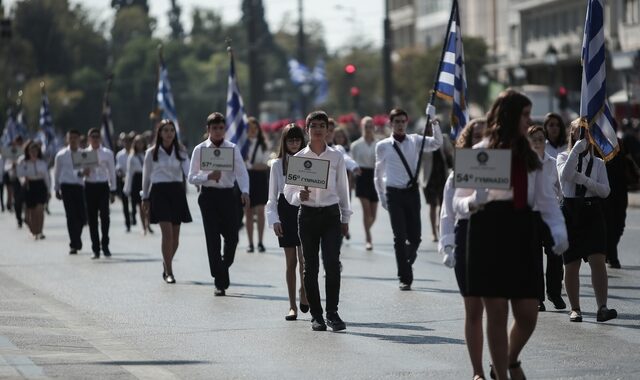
350, 69
5, 29
563, 98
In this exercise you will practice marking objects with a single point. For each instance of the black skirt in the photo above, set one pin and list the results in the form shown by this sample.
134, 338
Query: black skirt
258, 187
36, 193
460, 255
365, 187
503, 251
169, 203
586, 228
288, 215
136, 186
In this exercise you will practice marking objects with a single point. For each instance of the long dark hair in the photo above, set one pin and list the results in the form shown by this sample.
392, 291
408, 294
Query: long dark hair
27, 146
175, 144
503, 121
465, 139
134, 144
290, 131
562, 137
261, 142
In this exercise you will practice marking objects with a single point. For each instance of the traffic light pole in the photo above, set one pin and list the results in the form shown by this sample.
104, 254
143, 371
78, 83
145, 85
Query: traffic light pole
301, 57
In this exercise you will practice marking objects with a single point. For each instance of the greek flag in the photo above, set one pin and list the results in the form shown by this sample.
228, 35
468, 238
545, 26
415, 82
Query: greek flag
236, 117
47, 133
594, 110
165, 98
452, 80
10, 130
106, 127
298, 72
322, 84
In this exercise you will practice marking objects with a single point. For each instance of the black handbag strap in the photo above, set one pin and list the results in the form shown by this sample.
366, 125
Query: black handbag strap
581, 190
255, 151
412, 178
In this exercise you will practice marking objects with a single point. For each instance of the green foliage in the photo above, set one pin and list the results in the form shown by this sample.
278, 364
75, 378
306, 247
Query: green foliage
130, 23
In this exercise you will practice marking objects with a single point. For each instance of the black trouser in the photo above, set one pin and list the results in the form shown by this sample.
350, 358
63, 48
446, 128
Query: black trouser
97, 196
219, 217
404, 212
125, 201
616, 213
319, 227
18, 199
75, 211
555, 269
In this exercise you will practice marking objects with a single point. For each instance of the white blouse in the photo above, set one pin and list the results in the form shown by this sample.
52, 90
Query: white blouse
364, 153
276, 187
553, 151
262, 155
168, 168
63, 170
598, 183
134, 166
28, 170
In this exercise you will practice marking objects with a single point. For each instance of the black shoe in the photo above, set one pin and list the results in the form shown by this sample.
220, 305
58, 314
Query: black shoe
558, 302
169, 279
575, 315
219, 292
404, 286
134, 222
73, 251
106, 252
261, 248
128, 229
335, 322
317, 324
605, 314
615, 264
541, 306
250, 249
95, 256
304, 308
150, 230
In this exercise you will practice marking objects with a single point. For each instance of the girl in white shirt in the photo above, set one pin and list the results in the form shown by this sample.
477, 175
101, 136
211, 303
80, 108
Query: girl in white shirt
163, 193
556, 133
33, 173
133, 181
283, 217
256, 159
584, 184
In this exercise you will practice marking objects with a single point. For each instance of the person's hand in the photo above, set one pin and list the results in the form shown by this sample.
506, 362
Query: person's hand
561, 247
277, 228
357, 171
448, 258
431, 111
580, 178
246, 202
304, 194
345, 229
383, 202
86, 172
581, 145
215, 175
145, 206
58, 195
480, 198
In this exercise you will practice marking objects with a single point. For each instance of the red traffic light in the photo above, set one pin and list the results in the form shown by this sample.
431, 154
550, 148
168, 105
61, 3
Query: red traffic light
562, 91
350, 69
355, 91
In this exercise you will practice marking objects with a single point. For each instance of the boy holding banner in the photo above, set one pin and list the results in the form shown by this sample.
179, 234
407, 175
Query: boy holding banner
216, 164
324, 216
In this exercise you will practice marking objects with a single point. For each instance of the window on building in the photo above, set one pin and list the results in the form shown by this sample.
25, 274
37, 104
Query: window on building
632, 11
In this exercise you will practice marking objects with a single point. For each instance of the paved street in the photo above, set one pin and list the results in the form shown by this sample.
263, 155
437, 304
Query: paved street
71, 317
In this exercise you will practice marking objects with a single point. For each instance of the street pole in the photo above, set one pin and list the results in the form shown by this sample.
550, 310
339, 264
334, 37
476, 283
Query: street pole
255, 77
301, 57
386, 60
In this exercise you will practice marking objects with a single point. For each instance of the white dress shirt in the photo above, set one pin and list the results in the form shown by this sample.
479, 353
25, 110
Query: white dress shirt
541, 196
227, 178
276, 187
33, 170
553, 151
598, 183
448, 217
389, 170
63, 170
262, 155
134, 166
349, 162
121, 162
337, 191
364, 153
168, 168
105, 171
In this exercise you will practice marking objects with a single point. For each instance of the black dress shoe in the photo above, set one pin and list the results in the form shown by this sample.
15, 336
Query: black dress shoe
317, 324
95, 256
106, 252
541, 306
219, 292
250, 249
604, 314
615, 264
404, 286
169, 279
73, 251
261, 248
558, 302
292, 316
304, 308
335, 322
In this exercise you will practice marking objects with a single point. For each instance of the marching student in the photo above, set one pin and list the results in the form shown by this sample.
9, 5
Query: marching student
99, 190
16, 192
452, 245
283, 217
502, 247
584, 185
323, 218
69, 187
33, 173
133, 180
163, 193
554, 271
121, 175
556, 134
218, 202
396, 184
256, 162
363, 151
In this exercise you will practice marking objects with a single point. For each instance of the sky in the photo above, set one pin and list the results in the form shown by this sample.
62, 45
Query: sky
343, 21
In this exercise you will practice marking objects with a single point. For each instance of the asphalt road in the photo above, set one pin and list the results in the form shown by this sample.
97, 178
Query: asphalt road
70, 317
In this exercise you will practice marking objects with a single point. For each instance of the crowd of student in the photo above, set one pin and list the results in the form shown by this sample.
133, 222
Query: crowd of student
562, 200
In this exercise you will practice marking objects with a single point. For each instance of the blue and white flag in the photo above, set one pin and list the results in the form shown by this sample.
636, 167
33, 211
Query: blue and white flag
47, 134
106, 126
236, 117
322, 84
594, 109
452, 79
10, 132
164, 98
298, 72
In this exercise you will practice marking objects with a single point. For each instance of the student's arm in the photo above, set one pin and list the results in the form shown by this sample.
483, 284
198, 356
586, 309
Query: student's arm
240, 170
379, 173
56, 173
342, 188
545, 201
599, 183
185, 163
196, 176
129, 175
431, 143
447, 217
47, 177
111, 167
272, 203
147, 168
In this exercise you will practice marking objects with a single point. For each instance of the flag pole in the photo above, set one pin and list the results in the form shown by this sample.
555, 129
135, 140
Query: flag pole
105, 100
454, 8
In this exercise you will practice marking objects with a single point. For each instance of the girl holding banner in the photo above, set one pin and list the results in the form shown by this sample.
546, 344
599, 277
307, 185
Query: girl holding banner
33, 173
500, 269
283, 217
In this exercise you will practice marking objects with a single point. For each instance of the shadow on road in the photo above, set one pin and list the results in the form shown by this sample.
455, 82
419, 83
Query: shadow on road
409, 339
207, 283
436, 290
150, 362
390, 325
383, 278
257, 297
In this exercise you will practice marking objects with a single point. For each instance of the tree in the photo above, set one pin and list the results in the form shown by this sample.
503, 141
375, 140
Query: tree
130, 23
177, 31
123, 4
